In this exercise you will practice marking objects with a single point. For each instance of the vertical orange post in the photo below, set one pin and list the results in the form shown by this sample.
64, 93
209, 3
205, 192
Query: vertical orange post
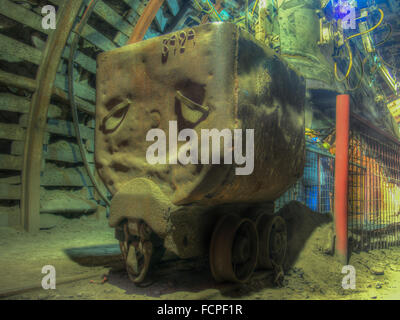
341, 174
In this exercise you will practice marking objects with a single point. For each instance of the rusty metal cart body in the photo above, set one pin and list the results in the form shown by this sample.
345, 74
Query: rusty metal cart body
213, 76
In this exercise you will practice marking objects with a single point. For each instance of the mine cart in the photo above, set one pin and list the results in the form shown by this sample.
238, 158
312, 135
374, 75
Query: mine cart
214, 76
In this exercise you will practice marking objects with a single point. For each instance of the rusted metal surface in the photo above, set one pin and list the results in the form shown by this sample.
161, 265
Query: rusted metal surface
211, 76
272, 235
145, 21
38, 115
242, 84
234, 249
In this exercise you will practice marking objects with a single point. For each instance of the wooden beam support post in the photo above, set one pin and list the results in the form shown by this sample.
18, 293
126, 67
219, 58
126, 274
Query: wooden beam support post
145, 21
30, 197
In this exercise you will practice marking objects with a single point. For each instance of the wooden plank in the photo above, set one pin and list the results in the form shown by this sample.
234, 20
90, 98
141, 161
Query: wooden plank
10, 192
64, 177
13, 80
15, 132
15, 51
62, 151
173, 7
22, 15
91, 123
33, 20
9, 216
65, 152
112, 17
161, 19
91, 34
137, 5
17, 81
13, 103
17, 148
99, 40
89, 144
66, 128
132, 17
120, 39
151, 33
11, 180
12, 132
9, 162
81, 59
80, 90
62, 127
84, 106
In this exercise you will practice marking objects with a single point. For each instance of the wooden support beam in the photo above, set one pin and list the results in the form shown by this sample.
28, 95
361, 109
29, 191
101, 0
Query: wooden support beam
112, 17
9, 216
62, 151
10, 192
91, 34
30, 197
9, 131
65, 177
145, 21
173, 6
161, 20
13, 80
9, 162
33, 20
22, 15
11, 180
14, 103
61, 127
80, 90
16, 51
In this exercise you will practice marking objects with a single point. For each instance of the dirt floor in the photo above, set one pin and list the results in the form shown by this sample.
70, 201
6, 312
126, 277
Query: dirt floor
88, 266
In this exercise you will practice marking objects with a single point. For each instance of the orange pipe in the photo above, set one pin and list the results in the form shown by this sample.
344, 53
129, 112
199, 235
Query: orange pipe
341, 175
145, 20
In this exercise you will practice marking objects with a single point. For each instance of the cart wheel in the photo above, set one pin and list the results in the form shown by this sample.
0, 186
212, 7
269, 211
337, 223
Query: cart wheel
139, 252
233, 249
272, 237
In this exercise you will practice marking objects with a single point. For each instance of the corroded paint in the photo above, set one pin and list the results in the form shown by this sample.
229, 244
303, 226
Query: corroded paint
240, 83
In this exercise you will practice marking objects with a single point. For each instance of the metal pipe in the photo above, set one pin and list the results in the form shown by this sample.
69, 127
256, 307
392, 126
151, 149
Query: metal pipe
341, 175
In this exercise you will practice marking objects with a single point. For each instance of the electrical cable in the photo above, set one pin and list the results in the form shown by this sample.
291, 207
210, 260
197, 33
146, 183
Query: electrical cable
215, 11
346, 42
388, 36
254, 8
201, 7
369, 30
361, 76
389, 65
74, 44
350, 64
